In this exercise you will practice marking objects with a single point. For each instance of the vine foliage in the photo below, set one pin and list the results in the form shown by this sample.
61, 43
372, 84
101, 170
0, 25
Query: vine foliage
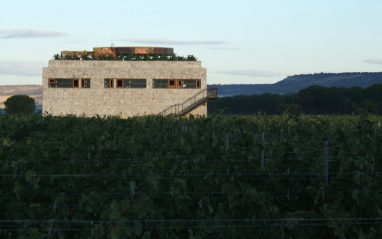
196, 177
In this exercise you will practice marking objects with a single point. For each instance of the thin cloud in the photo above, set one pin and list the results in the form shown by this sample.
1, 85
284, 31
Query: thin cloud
75, 41
21, 68
228, 48
373, 61
251, 73
171, 42
235, 49
29, 33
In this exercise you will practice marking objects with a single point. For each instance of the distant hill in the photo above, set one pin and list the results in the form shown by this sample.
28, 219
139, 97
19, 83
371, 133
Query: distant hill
293, 84
20, 90
34, 91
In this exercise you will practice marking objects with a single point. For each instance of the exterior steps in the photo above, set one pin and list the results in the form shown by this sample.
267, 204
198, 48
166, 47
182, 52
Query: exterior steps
191, 103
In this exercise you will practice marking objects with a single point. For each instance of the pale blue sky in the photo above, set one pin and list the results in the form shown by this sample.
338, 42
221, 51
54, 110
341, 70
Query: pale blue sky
239, 42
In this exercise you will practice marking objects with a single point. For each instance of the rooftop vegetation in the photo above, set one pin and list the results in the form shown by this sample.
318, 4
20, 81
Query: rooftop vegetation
128, 57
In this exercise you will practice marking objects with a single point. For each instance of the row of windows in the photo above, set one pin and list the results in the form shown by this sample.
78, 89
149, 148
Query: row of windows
176, 83
126, 83
157, 83
69, 83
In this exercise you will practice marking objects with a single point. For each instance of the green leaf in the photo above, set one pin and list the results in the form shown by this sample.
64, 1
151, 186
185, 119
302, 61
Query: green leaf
115, 210
114, 215
34, 205
153, 181
116, 233
132, 184
146, 235
29, 175
147, 165
181, 183
210, 209
138, 228
18, 190
355, 195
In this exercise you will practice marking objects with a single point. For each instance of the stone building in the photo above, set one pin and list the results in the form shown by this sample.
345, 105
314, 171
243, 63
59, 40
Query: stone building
125, 87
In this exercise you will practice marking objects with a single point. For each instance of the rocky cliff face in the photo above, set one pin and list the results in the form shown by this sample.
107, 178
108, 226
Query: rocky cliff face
293, 84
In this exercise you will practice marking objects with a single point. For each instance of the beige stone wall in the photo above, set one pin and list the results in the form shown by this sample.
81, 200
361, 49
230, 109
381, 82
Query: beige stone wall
125, 102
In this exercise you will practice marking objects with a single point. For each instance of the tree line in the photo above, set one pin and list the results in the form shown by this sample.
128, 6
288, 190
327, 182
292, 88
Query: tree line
311, 100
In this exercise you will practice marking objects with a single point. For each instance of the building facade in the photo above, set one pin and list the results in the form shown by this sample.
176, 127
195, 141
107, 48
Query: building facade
123, 88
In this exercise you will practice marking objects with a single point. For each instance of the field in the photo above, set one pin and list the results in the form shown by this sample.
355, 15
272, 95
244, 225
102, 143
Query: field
219, 176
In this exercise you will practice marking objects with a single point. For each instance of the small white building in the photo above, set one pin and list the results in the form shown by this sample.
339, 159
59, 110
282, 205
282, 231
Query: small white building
125, 88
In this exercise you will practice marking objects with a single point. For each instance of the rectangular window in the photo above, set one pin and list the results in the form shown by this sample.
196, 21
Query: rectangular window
85, 83
52, 83
160, 83
109, 83
134, 83
64, 83
69, 83
171, 84
76, 83
191, 84
178, 83
119, 83
61, 83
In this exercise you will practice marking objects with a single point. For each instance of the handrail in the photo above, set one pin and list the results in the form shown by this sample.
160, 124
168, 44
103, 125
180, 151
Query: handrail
192, 97
187, 105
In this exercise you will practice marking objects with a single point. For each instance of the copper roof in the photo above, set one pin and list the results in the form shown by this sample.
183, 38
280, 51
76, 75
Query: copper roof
116, 51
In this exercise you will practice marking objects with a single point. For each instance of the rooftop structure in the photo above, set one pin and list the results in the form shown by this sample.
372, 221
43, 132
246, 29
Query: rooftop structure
121, 51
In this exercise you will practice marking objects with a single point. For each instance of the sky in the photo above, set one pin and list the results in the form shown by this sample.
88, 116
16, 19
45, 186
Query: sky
239, 42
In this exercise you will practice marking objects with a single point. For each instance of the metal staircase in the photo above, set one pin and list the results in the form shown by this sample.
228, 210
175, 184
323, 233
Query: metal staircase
191, 103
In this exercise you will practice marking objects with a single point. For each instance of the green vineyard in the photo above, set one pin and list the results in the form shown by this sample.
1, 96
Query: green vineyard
219, 176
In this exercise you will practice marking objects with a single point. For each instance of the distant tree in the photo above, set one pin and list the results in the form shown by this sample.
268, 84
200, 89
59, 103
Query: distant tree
155, 57
146, 57
164, 57
312, 100
57, 57
181, 58
20, 104
293, 109
173, 57
129, 57
105, 57
85, 57
191, 58
369, 106
68, 57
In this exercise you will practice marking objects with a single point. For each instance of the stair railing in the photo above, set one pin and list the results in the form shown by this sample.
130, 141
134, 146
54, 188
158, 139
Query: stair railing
187, 105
